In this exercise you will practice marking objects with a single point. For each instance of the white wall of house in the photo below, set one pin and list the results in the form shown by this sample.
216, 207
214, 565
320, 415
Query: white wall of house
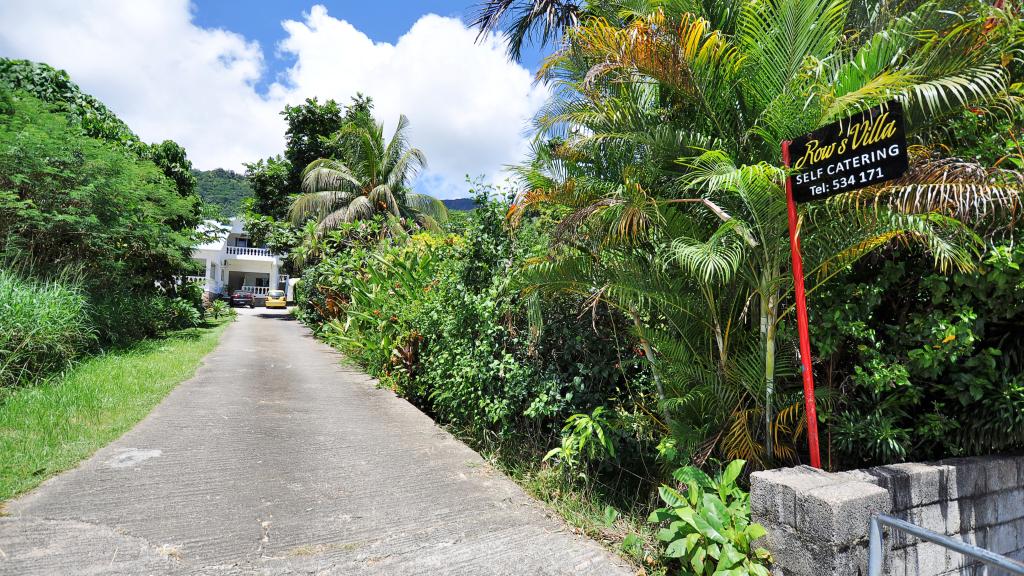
230, 259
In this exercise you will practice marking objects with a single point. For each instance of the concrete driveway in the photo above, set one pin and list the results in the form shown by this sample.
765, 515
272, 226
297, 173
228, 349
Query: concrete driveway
277, 459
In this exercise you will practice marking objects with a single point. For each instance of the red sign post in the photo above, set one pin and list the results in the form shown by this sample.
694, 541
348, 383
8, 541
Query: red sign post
865, 149
810, 405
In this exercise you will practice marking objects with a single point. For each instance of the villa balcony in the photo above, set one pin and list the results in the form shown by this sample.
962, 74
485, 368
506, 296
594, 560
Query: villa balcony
257, 290
250, 252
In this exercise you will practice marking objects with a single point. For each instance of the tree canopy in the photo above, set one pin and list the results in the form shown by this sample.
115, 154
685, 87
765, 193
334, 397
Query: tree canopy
224, 189
71, 201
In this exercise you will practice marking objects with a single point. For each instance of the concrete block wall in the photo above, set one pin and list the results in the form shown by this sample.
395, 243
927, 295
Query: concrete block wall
817, 521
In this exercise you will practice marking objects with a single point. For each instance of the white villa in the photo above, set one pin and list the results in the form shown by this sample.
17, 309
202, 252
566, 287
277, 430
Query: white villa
233, 263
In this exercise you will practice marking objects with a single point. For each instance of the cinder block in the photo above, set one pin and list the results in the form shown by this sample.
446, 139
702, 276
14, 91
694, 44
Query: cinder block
859, 476
818, 522
931, 559
913, 484
942, 517
1018, 555
852, 560
1001, 473
1009, 505
839, 514
793, 556
968, 516
1001, 538
968, 477
984, 511
773, 493
902, 562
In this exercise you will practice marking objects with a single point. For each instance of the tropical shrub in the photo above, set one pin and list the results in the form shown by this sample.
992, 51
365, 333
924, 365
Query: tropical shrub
43, 325
914, 356
70, 200
181, 313
438, 317
219, 309
707, 526
661, 146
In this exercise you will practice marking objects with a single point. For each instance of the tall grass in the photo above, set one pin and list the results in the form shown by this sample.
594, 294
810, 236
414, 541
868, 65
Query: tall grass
44, 325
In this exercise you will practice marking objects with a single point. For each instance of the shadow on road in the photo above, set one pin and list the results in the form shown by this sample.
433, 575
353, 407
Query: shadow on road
286, 316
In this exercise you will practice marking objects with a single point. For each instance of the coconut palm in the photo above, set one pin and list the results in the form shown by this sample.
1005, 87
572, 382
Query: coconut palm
666, 124
524, 20
371, 178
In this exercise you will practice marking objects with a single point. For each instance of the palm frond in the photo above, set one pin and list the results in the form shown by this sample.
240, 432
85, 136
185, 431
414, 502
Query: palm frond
428, 206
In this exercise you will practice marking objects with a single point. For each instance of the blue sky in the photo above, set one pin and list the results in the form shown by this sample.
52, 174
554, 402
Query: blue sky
214, 75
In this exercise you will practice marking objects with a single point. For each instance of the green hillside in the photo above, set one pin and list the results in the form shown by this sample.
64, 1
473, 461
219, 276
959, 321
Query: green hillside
223, 188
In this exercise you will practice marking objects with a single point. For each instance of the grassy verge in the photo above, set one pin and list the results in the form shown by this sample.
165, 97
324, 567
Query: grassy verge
50, 427
589, 507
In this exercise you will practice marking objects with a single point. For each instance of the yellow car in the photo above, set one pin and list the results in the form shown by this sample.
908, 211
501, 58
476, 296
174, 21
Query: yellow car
276, 299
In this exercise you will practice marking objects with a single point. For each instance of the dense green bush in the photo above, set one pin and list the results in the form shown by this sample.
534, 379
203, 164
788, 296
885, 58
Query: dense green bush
43, 326
122, 317
71, 200
440, 318
914, 357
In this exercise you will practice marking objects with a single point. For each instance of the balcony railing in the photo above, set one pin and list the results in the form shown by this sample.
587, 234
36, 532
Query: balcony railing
257, 290
244, 251
196, 279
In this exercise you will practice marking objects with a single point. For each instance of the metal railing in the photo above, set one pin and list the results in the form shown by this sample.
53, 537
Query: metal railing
257, 290
875, 551
245, 251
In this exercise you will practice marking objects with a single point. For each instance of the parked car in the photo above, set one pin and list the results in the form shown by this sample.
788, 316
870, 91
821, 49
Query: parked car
243, 298
276, 299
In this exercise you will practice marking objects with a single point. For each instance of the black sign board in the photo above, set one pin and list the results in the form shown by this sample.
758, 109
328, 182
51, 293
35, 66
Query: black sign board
864, 149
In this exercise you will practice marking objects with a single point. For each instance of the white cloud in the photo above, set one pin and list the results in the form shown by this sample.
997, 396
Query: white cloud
168, 78
164, 76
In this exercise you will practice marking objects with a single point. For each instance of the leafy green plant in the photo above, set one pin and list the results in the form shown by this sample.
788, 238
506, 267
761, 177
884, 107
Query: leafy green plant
585, 436
219, 309
70, 200
379, 299
707, 525
915, 355
56, 87
182, 314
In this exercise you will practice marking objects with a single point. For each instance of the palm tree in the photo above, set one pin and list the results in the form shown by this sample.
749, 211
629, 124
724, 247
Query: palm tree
666, 123
525, 19
370, 178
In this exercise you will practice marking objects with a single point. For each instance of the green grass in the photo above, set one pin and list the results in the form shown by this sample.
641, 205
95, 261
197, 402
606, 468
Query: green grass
50, 427
584, 508
582, 501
